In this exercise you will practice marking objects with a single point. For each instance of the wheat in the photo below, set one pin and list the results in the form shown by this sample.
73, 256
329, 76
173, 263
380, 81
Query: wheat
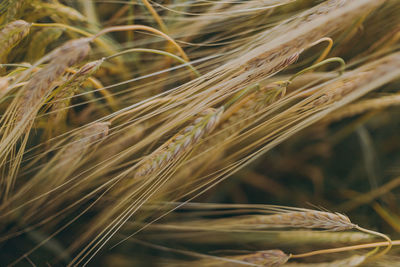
41, 83
182, 142
15, 7
306, 219
65, 188
309, 219
234, 120
364, 106
60, 10
20, 115
66, 90
89, 135
241, 114
337, 90
11, 35
306, 30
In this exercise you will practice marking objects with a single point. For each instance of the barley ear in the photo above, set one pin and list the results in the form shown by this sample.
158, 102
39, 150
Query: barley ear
11, 35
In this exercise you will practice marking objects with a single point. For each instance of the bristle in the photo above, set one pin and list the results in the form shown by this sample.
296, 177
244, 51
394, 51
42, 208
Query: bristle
251, 126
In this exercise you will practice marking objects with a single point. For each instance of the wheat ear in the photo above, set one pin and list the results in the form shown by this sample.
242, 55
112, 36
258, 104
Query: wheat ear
26, 105
39, 86
182, 142
303, 219
363, 106
268, 258
65, 91
11, 35
48, 9
15, 7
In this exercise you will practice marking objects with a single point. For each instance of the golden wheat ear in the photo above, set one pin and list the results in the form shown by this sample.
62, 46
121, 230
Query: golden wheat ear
63, 94
20, 114
182, 142
10, 35
271, 258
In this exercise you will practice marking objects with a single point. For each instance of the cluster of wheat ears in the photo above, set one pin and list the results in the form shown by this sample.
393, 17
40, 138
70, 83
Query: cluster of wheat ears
147, 133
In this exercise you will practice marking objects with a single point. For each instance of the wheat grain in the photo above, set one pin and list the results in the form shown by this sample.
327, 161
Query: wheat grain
20, 115
66, 160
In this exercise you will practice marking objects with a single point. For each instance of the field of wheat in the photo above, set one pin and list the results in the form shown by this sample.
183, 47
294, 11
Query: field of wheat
199, 133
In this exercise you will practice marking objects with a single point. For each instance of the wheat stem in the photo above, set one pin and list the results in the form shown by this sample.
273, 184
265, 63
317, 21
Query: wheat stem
144, 28
160, 52
347, 248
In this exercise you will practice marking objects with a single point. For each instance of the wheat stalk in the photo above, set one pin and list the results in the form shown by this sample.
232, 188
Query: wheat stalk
353, 261
268, 258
